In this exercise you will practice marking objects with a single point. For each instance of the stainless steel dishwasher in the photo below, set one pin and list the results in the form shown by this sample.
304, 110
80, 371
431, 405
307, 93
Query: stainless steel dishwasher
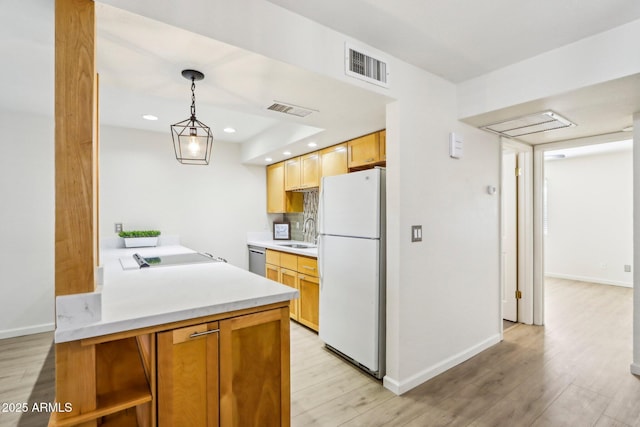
257, 258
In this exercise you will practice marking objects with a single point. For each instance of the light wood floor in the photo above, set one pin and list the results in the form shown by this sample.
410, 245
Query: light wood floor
572, 372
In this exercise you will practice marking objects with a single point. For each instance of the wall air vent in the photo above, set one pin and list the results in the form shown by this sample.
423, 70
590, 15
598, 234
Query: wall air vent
533, 123
363, 66
294, 110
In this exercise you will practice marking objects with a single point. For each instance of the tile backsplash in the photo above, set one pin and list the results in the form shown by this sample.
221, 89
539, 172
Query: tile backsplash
307, 221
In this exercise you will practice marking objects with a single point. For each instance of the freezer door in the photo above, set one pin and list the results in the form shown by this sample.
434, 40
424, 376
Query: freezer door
350, 297
350, 204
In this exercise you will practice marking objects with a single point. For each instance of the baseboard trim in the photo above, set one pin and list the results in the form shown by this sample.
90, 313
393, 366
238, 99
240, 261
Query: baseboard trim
590, 279
635, 369
401, 387
27, 330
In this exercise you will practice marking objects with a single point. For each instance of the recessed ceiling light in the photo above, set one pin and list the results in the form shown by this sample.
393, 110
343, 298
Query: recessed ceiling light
312, 144
267, 159
229, 130
286, 153
150, 117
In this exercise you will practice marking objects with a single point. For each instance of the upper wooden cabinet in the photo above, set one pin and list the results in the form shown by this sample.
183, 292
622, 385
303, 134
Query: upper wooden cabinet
292, 174
364, 151
279, 200
333, 160
302, 172
310, 170
285, 179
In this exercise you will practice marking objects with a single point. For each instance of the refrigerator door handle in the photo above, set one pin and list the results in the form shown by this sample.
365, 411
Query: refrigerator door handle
320, 214
320, 260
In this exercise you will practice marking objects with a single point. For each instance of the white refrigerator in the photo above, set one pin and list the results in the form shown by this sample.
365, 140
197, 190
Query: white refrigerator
351, 260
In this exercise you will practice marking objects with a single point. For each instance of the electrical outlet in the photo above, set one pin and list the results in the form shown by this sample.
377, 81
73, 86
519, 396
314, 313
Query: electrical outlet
416, 233
118, 227
627, 268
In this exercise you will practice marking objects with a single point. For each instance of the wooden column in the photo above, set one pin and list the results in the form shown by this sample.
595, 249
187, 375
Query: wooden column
76, 190
76, 230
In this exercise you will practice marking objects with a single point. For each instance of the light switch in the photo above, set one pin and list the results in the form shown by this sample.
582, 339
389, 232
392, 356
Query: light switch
416, 233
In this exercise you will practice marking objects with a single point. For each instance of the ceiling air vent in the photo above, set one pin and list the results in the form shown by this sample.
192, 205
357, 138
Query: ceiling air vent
363, 66
533, 123
294, 110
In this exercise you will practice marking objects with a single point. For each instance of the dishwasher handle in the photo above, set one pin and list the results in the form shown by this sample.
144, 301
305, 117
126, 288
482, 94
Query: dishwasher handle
257, 251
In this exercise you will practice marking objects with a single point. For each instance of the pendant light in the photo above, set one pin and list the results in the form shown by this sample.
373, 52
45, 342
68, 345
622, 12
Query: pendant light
192, 139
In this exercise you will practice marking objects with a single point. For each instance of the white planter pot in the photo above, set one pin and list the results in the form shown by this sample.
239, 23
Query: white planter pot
140, 242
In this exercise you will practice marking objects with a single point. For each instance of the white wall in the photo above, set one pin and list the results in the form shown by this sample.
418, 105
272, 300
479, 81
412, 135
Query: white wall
590, 61
26, 224
443, 293
211, 207
590, 218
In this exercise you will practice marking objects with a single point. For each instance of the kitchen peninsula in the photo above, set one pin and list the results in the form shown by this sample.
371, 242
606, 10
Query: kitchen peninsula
195, 344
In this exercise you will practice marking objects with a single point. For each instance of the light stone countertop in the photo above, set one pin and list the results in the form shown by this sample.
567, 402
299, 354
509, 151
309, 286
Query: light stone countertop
278, 246
132, 299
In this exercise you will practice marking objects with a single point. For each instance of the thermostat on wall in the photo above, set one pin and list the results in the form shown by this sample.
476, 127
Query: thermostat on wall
455, 146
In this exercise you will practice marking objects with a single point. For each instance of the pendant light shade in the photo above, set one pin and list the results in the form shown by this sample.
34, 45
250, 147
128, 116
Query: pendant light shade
192, 139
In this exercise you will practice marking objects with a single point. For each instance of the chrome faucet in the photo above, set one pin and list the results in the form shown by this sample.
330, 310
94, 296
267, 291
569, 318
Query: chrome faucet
305, 229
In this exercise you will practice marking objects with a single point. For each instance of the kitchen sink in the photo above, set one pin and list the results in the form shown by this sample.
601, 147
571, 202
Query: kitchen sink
297, 245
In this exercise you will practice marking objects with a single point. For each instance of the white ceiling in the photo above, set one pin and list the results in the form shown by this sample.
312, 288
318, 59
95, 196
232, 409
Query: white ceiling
139, 61
462, 39
588, 150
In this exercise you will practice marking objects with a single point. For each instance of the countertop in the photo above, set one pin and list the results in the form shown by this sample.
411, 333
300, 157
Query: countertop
277, 245
132, 299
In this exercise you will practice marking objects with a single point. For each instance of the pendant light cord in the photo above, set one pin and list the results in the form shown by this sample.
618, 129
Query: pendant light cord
193, 99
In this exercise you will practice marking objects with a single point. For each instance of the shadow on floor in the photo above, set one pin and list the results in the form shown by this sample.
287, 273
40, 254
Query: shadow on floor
43, 391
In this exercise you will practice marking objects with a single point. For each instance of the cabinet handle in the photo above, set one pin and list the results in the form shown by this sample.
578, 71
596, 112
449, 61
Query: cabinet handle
199, 334
307, 267
369, 160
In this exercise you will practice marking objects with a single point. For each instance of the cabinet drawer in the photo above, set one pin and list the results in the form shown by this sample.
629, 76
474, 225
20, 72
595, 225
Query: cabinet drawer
308, 266
193, 332
289, 261
273, 257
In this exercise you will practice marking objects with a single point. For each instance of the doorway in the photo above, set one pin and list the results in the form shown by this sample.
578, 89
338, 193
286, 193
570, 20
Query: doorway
542, 218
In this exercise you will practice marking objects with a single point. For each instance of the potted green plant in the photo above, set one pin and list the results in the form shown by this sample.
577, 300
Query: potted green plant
139, 238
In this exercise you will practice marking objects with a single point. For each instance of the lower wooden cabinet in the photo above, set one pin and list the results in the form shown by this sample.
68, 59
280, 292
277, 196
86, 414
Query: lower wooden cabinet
234, 372
290, 278
188, 389
308, 311
301, 273
254, 370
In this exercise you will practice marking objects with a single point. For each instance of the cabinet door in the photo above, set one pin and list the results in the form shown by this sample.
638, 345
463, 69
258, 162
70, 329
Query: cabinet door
254, 370
290, 278
310, 175
308, 311
272, 272
383, 145
275, 188
364, 150
333, 160
188, 376
292, 174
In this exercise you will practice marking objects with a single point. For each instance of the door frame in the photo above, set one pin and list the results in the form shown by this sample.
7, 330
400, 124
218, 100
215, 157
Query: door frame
538, 214
525, 245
